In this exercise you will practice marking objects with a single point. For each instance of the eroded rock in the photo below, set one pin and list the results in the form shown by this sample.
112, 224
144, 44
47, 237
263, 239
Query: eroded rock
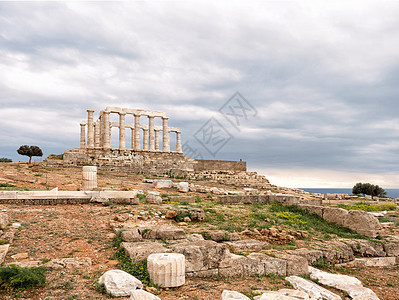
119, 283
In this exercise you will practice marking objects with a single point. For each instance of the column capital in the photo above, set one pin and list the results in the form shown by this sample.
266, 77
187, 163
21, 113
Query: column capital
122, 113
90, 110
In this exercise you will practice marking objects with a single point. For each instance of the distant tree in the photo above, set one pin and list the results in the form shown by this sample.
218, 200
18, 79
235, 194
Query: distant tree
368, 189
4, 159
30, 151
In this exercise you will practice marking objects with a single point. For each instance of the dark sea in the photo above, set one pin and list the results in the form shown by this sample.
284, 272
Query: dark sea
393, 193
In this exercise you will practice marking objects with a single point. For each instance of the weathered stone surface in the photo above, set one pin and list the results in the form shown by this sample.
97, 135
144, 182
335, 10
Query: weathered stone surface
20, 256
197, 214
132, 235
167, 269
3, 252
218, 235
349, 284
119, 283
392, 249
366, 248
141, 250
163, 184
165, 232
247, 246
201, 255
171, 214
233, 295
311, 255
142, 295
271, 295
296, 294
122, 217
271, 265
315, 209
335, 252
69, 263
373, 262
363, 223
312, 289
335, 215
3, 220
183, 187
181, 199
153, 199
296, 265
234, 265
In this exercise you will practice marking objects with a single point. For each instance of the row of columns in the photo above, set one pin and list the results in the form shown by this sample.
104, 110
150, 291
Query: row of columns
99, 133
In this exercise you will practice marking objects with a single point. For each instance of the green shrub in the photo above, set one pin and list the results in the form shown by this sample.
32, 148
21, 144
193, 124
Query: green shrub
369, 207
291, 217
3, 159
15, 278
141, 197
7, 185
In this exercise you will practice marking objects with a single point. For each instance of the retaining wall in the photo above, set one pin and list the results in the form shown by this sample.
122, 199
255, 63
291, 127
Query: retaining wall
219, 165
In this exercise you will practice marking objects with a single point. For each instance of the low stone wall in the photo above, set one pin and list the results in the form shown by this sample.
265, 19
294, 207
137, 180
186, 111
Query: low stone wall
55, 197
129, 160
359, 221
284, 199
219, 165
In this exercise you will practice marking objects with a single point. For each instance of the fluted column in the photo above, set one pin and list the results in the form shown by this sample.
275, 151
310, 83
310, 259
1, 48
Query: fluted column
107, 131
90, 129
82, 136
132, 137
156, 140
178, 142
136, 132
100, 120
122, 138
145, 139
165, 136
151, 132
97, 134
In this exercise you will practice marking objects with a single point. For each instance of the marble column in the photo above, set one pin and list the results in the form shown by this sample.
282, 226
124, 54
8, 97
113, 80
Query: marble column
132, 137
156, 139
90, 129
100, 119
151, 132
178, 142
122, 138
97, 135
82, 136
145, 139
107, 131
136, 132
165, 136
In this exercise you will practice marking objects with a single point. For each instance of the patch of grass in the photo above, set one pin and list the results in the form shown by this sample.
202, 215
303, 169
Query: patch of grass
369, 207
321, 263
141, 197
15, 278
4, 185
291, 217
137, 269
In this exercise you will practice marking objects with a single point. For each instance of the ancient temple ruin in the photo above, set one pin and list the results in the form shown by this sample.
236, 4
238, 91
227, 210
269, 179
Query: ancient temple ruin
99, 132
148, 152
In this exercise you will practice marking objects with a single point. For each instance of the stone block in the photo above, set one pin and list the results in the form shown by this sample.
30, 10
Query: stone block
363, 223
142, 295
366, 248
335, 215
233, 295
132, 235
296, 265
311, 255
165, 232
163, 184
3, 252
166, 269
392, 249
271, 265
373, 262
139, 251
3, 220
201, 255
247, 245
119, 283
183, 187
153, 199
312, 289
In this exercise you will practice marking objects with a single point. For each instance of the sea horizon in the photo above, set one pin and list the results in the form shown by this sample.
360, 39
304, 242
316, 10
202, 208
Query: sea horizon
392, 193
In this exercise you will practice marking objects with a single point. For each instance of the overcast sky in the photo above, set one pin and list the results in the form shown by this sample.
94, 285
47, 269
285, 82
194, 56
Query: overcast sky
320, 79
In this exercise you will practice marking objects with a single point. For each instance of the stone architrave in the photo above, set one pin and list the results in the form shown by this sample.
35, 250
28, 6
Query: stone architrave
165, 135
122, 126
90, 129
167, 269
82, 136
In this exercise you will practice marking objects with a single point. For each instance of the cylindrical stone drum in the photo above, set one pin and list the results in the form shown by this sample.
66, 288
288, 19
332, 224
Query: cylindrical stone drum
89, 175
167, 269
